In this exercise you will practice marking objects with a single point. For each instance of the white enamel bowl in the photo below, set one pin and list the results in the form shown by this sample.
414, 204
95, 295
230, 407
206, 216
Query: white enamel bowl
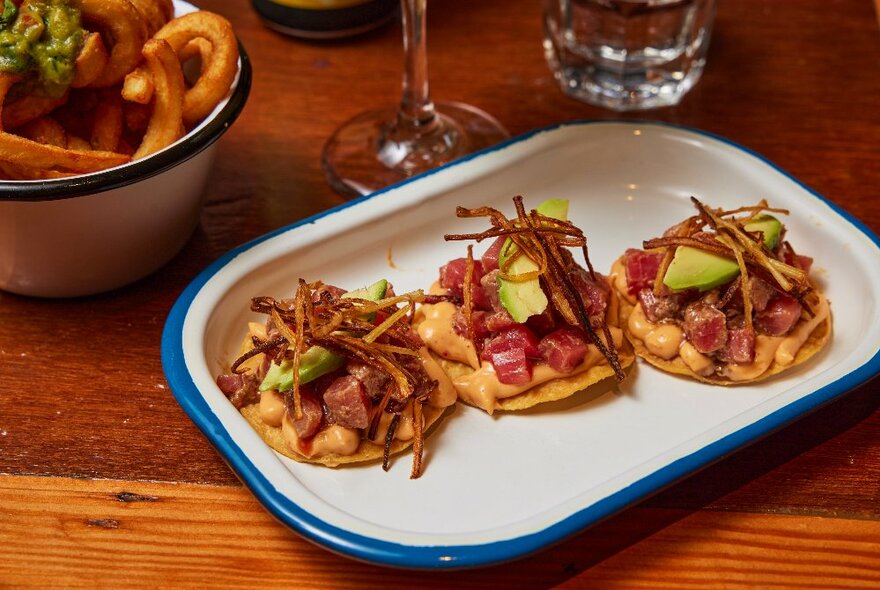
95, 232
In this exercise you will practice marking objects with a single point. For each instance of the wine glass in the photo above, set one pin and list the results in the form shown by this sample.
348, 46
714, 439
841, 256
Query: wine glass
381, 147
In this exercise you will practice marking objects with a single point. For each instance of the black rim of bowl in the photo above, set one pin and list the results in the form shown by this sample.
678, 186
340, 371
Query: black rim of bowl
189, 147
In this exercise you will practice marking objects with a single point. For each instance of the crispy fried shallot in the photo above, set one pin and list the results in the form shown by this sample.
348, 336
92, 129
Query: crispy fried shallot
468, 296
542, 239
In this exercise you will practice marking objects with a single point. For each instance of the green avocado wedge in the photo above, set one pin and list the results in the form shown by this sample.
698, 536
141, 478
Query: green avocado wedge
692, 268
523, 299
770, 228
317, 361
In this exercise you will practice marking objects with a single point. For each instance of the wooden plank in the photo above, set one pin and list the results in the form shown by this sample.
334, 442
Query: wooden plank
99, 533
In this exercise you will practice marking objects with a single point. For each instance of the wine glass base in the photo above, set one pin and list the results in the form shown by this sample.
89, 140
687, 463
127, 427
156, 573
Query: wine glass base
368, 152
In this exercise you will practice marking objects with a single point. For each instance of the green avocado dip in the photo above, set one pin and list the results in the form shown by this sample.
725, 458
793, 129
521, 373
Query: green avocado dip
43, 37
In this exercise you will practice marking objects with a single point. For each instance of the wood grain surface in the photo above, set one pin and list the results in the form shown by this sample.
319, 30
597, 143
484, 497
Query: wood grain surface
134, 533
86, 414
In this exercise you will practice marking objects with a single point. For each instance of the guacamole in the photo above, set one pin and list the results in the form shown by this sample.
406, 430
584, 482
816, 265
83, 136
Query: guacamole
43, 37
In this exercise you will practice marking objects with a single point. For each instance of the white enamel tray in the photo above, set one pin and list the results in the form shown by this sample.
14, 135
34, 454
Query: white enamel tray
498, 488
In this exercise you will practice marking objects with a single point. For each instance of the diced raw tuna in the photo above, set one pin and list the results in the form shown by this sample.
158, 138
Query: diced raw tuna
663, 307
641, 269
479, 319
452, 274
499, 321
240, 389
516, 337
542, 323
512, 366
312, 413
490, 258
347, 403
229, 383
489, 283
595, 294
374, 380
740, 346
760, 293
780, 315
452, 277
563, 349
705, 327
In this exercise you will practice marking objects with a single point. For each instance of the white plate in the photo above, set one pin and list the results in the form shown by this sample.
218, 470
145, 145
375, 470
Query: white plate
497, 488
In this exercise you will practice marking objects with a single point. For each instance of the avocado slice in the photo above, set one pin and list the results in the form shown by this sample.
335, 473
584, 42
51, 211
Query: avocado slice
318, 361
374, 292
313, 363
769, 226
523, 299
692, 268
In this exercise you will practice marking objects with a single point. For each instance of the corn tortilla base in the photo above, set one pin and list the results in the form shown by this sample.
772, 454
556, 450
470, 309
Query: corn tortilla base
367, 450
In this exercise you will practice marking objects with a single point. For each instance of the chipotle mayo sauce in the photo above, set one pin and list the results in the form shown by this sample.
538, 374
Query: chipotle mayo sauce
439, 334
330, 440
482, 387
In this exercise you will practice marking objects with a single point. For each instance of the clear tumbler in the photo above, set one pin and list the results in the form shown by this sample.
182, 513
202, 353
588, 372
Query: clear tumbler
627, 54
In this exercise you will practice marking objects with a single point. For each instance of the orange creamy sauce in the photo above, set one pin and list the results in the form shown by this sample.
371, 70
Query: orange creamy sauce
482, 388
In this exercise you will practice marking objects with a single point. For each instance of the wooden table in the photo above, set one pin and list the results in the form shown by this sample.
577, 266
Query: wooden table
104, 482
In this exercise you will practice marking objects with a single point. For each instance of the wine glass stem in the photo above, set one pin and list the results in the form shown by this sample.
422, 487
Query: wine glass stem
416, 109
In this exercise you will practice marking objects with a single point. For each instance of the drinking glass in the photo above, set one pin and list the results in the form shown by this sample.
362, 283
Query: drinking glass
627, 54
381, 147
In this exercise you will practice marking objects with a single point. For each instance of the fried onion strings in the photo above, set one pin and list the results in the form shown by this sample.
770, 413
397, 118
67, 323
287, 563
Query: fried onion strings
541, 239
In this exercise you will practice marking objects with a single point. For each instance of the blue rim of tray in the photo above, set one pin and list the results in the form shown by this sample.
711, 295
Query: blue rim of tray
382, 552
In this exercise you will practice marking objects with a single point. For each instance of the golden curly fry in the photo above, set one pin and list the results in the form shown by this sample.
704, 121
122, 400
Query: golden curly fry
24, 152
196, 48
45, 130
136, 116
29, 107
107, 128
14, 172
138, 86
154, 13
90, 62
122, 23
166, 123
75, 142
219, 70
